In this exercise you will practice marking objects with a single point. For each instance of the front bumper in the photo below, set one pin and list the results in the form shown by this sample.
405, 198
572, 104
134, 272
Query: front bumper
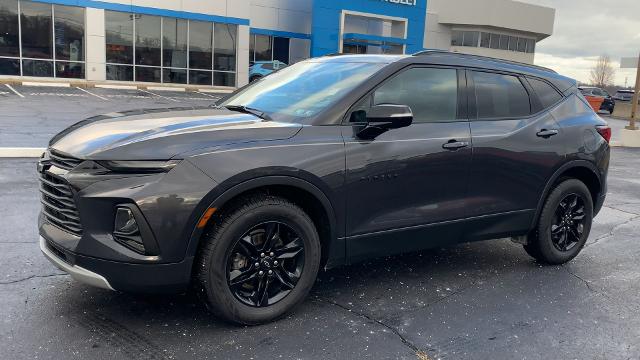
77, 272
166, 208
120, 276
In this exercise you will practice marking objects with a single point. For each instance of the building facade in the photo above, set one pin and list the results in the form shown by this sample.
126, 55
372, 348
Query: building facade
213, 42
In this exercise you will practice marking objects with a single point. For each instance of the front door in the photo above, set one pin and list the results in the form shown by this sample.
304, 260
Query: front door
407, 187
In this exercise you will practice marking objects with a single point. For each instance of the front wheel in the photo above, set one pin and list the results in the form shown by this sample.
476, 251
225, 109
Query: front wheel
259, 261
564, 224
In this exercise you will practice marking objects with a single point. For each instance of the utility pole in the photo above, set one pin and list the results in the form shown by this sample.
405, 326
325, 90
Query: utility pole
634, 106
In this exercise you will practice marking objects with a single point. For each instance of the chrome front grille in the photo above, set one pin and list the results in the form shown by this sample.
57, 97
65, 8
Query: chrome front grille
58, 205
63, 161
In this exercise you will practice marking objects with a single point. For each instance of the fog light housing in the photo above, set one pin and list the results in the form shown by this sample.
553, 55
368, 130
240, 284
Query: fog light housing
125, 222
126, 230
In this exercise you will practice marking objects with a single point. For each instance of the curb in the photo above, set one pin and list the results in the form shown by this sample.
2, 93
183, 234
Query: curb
20, 152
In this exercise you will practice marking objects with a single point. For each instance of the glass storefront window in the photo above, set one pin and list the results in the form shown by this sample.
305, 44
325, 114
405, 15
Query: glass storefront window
69, 33
73, 70
224, 78
120, 72
9, 66
51, 38
148, 74
174, 43
35, 19
148, 40
37, 68
200, 45
262, 48
9, 42
225, 36
281, 49
119, 37
175, 76
200, 77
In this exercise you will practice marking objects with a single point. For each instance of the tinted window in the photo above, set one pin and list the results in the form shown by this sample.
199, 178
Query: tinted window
485, 39
225, 47
36, 32
500, 96
432, 94
281, 49
200, 46
119, 38
175, 44
547, 95
147, 41
69, 33
9, 30
470, 39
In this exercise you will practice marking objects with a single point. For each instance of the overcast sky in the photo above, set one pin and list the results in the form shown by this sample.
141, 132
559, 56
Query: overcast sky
586, 29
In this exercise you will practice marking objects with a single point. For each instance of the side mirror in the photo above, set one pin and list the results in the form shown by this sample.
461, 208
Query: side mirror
384, 117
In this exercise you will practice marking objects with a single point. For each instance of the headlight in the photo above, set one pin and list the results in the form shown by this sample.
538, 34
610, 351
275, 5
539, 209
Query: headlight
140, 166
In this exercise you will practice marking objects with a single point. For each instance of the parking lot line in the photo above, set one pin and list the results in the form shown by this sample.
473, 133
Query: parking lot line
20, 152
160, 96
45, 84
90, 93
14, 90
211, 96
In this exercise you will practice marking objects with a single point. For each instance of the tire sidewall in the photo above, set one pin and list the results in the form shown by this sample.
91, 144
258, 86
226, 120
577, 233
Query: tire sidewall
545, 243
219, 293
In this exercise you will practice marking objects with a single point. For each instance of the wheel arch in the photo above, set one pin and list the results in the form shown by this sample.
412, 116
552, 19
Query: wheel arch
581, 170
299, 191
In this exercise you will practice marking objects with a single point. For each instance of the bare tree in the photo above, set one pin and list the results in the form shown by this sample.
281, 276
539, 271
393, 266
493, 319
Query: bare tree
602, 73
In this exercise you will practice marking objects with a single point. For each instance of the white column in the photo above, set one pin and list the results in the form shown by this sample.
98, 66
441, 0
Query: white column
243, 55
95, 45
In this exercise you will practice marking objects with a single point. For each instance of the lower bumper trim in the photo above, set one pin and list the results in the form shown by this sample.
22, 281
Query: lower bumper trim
78, 273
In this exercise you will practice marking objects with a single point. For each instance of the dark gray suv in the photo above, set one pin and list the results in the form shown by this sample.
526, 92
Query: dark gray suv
327, 162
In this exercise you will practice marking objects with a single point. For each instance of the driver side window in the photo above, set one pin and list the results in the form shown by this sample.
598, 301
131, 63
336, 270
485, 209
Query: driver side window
431, 93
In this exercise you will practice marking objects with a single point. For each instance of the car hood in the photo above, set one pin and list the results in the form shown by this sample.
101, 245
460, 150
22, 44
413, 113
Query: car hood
161, 134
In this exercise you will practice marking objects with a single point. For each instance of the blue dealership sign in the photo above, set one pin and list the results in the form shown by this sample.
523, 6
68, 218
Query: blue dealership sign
325, 34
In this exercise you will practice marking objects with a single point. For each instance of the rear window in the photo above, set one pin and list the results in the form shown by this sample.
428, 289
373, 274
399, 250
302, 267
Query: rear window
547, 95
500, 96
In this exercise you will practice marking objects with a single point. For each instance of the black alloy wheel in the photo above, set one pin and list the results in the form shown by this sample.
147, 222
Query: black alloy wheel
568, 227
564, 224
265, 264
258, 260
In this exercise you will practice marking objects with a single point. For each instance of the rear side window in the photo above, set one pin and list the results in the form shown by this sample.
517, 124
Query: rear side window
431, 93
500, 96
547, 95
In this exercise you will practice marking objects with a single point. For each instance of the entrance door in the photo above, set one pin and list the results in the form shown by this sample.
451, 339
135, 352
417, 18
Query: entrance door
406, 186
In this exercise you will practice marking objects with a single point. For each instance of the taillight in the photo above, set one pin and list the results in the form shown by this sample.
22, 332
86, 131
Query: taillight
605, 132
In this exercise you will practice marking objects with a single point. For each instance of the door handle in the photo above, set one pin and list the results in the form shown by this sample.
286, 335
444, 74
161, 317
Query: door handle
544, 133
455, 145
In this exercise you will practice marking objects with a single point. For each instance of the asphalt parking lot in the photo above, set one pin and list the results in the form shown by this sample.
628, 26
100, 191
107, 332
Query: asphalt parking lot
485, 300
31, 115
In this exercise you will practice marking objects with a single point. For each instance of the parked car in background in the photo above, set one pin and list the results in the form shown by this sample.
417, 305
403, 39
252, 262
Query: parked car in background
263, 68
328, 162
608, 103
624, 95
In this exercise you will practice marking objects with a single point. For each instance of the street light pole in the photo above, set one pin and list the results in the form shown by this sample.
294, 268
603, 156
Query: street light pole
634, 106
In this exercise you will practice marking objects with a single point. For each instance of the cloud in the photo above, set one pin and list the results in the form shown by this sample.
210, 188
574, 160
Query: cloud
586, 29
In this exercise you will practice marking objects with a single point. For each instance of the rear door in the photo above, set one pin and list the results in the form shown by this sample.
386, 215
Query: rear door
406, 186
516, 149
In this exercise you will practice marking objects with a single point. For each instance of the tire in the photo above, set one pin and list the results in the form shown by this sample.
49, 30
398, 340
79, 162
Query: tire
222, 257
550, 248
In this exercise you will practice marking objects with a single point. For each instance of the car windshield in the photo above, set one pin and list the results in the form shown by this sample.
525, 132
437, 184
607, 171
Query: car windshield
300, 91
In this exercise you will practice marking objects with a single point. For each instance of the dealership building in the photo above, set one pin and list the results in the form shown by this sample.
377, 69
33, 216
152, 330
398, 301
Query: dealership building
213, 42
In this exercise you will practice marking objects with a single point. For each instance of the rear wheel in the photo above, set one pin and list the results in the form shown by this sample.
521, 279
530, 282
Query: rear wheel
259, 261
564, 224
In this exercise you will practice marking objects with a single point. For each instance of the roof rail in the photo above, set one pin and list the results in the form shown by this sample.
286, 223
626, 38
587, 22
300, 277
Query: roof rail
480, 57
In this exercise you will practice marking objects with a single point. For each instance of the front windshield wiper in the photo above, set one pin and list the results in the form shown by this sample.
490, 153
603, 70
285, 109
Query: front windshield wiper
248, 110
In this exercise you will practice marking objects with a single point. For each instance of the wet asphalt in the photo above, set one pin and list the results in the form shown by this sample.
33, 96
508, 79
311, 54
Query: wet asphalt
485, 300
